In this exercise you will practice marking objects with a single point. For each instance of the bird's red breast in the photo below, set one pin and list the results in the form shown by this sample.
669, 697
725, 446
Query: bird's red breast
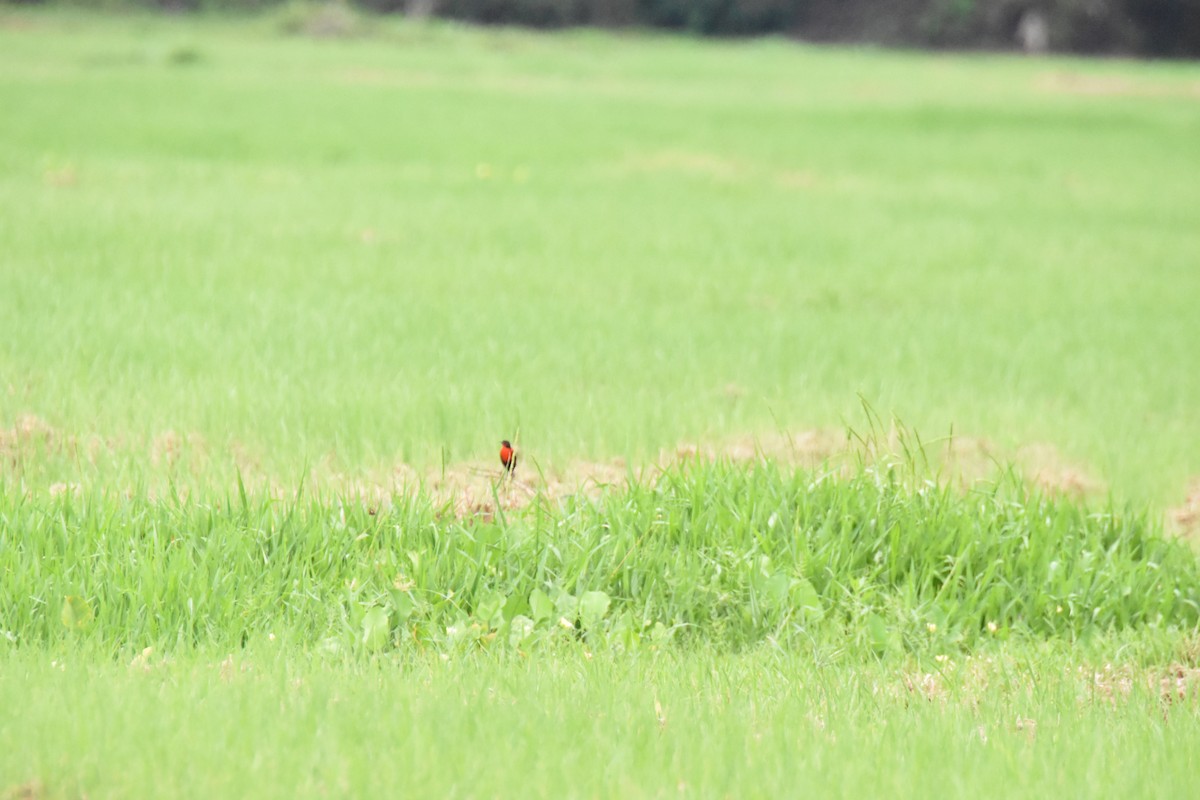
508, 456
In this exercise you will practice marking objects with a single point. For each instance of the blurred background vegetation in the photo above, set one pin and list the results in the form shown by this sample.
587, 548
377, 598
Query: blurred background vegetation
1150, 28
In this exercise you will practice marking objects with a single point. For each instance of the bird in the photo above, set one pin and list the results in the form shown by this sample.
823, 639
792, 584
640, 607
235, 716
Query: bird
508, 456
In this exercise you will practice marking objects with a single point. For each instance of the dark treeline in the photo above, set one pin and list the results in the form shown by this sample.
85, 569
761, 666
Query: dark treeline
1144, 27
1130, 27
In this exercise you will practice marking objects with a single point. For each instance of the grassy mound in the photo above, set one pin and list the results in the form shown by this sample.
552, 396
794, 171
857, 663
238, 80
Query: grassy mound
719, 553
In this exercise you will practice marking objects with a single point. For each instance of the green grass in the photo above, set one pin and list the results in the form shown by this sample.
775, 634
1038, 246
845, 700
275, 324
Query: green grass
267, 303
724, 630
282, 249
767, 724
723, 555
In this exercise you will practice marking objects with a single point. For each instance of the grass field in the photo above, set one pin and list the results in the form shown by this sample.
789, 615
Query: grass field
396, 249
669, 726
268, 304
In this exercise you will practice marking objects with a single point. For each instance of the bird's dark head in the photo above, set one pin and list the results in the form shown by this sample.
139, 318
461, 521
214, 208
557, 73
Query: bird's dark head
506, 443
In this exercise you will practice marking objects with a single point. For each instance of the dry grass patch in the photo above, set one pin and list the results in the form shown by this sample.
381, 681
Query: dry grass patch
686, 162
809, 449
1079, 84
1051, 472
28, 435
30, 790
1175, 685
1186, 517
476, 488
31, 437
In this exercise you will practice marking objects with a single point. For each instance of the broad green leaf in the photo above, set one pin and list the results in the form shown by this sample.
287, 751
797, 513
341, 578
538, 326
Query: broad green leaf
592, 607
489, 608
402, 604
566, 606
540, 605
882, 639
375, 628
621, 631
77, 615
775, 589
516, 605
808, 600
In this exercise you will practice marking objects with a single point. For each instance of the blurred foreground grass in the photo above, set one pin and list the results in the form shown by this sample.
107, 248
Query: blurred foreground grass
762, 724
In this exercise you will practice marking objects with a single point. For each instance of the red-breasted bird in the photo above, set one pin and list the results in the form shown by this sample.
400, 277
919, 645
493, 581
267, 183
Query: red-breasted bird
508, 456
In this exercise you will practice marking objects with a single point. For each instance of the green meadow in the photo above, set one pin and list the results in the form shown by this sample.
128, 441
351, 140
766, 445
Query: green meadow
855, 393
702, 724
397, 249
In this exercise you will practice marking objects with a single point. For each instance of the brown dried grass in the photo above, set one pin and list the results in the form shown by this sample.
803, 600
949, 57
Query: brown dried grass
482, 489
1079, 84
1186, 516
30, 790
